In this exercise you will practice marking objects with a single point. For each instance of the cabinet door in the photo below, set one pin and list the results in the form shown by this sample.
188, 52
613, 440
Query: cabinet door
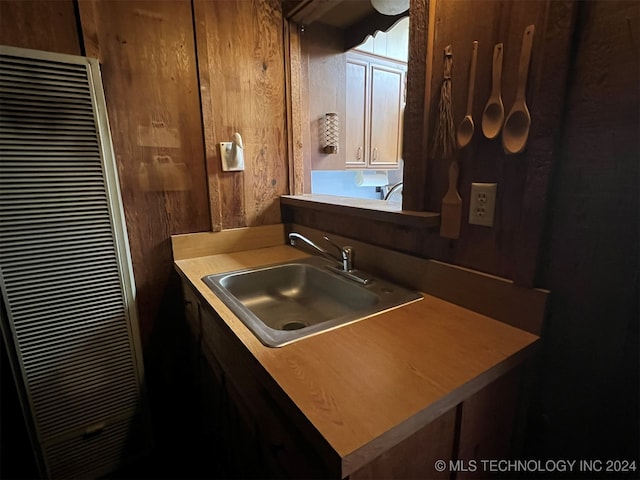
191, 312
357, 94
386, 105
489, 424
416, 455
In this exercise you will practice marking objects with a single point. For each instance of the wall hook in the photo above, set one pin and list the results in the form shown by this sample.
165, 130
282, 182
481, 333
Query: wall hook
232, 154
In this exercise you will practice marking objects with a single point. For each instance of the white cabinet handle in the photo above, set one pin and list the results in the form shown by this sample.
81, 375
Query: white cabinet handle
374, 157
359, 153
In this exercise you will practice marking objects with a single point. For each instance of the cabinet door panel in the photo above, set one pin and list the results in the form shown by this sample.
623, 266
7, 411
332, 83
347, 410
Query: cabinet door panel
191, 311
386, 102
356, 150
415, 456
488, 423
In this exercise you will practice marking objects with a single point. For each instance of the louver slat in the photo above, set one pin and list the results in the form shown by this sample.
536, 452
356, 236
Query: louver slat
91, 454
62, 286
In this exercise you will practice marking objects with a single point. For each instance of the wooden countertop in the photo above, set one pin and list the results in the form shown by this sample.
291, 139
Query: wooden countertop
368, 385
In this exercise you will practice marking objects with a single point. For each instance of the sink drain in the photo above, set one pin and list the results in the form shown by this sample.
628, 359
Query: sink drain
293, 326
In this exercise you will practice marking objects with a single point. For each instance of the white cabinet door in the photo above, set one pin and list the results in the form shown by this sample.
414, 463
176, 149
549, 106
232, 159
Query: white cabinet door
374, 89
386, 105
357, 111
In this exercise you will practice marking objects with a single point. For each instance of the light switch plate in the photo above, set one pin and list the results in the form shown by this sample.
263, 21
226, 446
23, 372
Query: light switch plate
482, 204
232, 159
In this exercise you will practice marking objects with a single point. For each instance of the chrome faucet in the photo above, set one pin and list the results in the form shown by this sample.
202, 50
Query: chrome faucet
345, 253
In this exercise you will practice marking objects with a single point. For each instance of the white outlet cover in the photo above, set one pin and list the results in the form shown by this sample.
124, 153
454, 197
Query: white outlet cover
232, 159
482, 204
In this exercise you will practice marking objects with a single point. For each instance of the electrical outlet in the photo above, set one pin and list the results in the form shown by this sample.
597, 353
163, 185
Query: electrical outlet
482, 204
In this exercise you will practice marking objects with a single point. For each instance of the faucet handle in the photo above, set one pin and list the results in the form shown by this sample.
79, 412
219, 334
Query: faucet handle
346, 254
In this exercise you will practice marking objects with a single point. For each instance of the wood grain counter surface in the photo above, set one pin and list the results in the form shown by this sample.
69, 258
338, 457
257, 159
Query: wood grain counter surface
368, 385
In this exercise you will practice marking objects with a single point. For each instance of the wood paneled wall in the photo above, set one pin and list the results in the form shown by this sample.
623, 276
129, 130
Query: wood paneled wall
587, 392
40, 25
511, 247
148, 60
179, 77
241, 60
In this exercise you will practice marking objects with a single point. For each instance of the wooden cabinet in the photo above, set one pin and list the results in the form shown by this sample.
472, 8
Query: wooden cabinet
375, 99
255, 431
249, 432
489, 425
415, 456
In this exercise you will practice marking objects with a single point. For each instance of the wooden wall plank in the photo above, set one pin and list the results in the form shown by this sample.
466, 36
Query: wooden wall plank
415, 124
212, 155
40, 25
587, 390
293, 63
545, 135
244, 64
147, 55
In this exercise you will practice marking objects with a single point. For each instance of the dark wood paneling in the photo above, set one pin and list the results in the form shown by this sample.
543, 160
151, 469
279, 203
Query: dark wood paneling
40, 25
510, 247
587, 393
147, 55
548, 97
241, 59
414, 126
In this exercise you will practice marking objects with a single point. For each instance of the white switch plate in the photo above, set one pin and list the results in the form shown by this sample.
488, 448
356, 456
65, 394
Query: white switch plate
482, 205
231, 162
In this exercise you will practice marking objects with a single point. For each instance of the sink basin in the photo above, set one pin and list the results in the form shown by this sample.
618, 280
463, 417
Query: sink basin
289, 301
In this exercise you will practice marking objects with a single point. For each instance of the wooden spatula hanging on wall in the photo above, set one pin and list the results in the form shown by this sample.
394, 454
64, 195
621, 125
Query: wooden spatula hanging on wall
451, 210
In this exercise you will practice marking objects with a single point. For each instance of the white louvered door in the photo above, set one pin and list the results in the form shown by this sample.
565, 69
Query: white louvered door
66, 278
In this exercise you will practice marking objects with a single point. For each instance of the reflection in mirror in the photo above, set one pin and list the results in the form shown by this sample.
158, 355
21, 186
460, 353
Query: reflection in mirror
366, 86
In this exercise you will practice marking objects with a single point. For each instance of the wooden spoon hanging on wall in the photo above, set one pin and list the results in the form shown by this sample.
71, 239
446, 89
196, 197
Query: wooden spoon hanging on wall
493, 114
516, 127
466, 127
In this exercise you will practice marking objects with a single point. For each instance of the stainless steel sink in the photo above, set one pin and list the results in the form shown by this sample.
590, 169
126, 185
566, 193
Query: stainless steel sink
289, 301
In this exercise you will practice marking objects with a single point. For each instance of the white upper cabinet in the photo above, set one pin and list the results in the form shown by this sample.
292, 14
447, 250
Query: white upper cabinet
375, 99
